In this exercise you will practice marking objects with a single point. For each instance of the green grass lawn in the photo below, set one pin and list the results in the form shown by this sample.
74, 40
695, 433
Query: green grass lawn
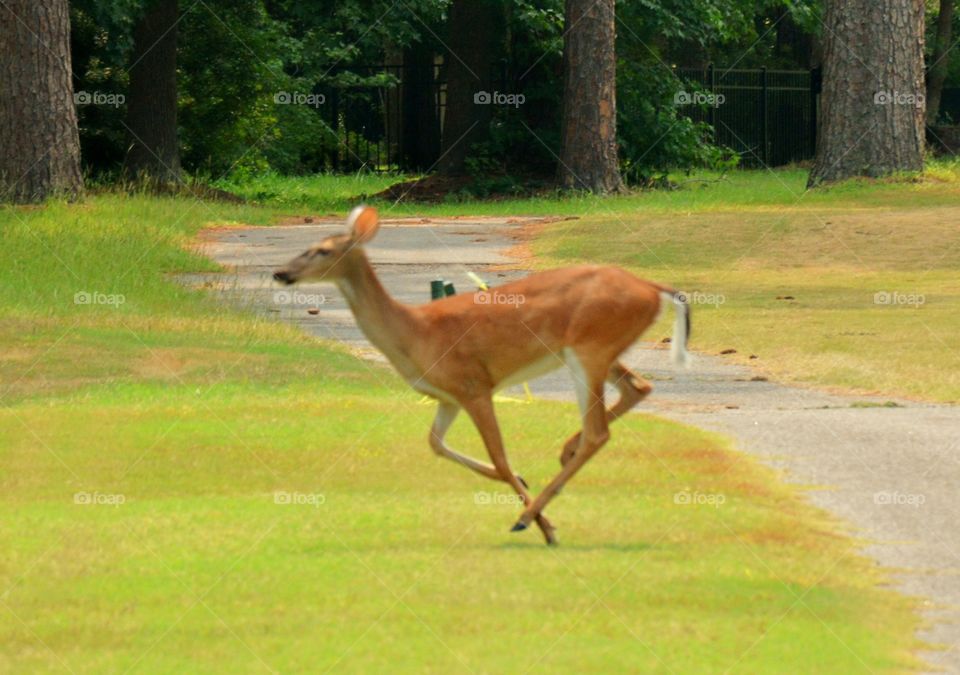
186, 423
853, 286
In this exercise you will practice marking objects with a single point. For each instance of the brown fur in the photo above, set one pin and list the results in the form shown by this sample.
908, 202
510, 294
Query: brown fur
461, 348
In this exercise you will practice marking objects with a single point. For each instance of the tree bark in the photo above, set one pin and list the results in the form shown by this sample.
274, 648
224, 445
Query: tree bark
153, 152
588, 156
476, 32
793, 42
939, 63
39, 141
420, 140
872, 105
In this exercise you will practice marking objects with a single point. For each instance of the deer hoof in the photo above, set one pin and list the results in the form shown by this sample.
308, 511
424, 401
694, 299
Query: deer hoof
518, 527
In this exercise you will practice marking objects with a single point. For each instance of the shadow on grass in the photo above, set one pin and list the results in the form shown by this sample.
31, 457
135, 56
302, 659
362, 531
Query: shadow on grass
561, 546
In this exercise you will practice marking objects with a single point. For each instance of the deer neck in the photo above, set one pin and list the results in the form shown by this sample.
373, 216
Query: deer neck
390, 325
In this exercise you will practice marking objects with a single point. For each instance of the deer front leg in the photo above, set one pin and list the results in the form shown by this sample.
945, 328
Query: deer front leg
446, 414
482, 413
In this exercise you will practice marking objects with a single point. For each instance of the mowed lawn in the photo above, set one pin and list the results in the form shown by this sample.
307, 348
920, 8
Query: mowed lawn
186, 488
855, 287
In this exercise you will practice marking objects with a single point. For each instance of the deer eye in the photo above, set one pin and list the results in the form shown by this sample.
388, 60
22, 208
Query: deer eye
320, 251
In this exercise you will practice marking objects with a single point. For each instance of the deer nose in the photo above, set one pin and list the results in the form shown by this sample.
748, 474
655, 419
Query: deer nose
282, 276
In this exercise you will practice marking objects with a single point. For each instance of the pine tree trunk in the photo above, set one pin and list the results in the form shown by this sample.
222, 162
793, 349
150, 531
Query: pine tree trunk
420, 140
153, 152
476, 30
588, 156
39, 141
872, 104
939, 64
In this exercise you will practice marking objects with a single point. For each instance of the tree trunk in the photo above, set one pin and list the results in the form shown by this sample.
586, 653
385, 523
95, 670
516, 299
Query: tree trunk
588, 155
939, 62
793, 42
39, 141
420, 141
153, 152
476, 33
872, 105
393, 101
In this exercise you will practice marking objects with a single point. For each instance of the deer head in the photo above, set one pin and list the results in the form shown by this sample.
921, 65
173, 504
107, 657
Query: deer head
330, 259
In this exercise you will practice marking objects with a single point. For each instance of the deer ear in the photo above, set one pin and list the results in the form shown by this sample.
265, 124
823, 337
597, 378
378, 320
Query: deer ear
363, 222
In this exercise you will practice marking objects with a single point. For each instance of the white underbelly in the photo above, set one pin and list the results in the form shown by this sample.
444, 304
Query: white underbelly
428, 389
532, 371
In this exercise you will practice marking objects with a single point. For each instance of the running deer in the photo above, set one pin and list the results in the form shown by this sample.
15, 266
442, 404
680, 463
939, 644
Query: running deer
461, 349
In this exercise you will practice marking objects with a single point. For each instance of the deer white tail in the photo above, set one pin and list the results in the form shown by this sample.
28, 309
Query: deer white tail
681, 327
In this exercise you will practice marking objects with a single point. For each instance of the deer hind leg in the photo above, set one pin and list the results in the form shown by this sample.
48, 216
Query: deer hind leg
632, 388
589, 379
482, 413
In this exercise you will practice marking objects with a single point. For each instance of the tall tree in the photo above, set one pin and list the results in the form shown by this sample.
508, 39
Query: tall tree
476, 38
588, 155
39, 143
420, 120
872, 105
938, 60
153, 151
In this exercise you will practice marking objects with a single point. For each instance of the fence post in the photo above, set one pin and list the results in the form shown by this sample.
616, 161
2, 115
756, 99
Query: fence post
764, 135
816, 82
335, 126
712, 83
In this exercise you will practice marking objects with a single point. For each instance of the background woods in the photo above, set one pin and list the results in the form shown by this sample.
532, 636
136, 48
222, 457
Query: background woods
506, 94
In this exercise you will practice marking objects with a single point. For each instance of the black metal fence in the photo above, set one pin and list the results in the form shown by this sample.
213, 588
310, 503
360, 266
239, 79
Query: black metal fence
390, 117
950, 105
363, 115
769, 117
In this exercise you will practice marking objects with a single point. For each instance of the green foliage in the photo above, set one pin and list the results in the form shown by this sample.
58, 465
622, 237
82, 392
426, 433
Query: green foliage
654, 137
100, 44
236, 57
227, 114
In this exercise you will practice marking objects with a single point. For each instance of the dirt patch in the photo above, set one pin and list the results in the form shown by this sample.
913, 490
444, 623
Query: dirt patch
210, 234
20, 354
211, 231
431, 189
523, 235
436, 188
165, 364
172, 363
309, 220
